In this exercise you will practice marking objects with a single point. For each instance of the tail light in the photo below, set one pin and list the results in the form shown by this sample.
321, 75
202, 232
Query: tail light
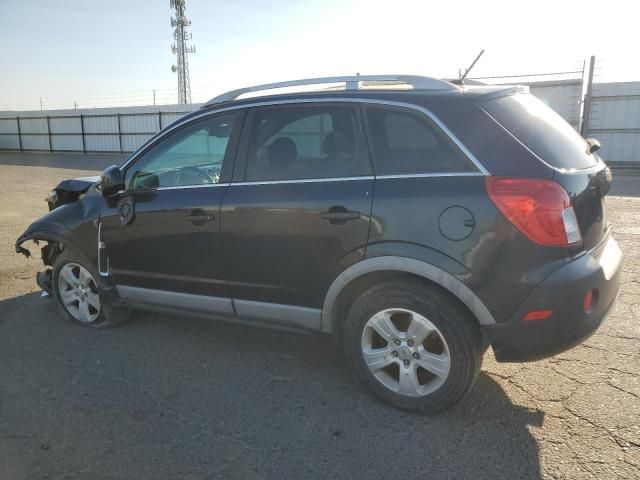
540, 209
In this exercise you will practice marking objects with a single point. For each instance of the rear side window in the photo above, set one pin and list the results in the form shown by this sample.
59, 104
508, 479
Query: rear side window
542, 130
306, 142
408, 143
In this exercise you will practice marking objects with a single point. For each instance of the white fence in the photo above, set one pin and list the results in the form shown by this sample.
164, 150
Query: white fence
87, 130
614, 119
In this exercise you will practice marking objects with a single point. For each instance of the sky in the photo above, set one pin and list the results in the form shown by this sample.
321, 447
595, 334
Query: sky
98, 53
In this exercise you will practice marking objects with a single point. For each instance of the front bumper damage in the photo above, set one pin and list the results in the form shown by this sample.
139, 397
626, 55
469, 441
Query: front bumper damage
48, 253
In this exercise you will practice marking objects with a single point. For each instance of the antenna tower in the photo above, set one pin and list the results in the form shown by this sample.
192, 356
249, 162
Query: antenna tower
181, 50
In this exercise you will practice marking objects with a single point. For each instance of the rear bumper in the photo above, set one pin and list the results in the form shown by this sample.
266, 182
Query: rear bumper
563, 292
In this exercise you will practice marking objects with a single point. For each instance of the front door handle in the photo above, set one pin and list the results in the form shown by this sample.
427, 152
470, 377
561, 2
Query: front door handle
340, 215
198, 217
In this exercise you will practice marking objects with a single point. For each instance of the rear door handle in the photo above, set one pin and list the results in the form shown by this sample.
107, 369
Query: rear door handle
340, 215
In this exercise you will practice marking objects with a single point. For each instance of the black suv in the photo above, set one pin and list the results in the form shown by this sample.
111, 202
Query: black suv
416, 220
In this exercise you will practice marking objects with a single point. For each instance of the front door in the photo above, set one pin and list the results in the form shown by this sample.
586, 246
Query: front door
162, 234
298, 210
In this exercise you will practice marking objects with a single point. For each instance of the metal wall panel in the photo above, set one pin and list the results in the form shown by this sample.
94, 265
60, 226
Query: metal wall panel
102, 124
33, 125
132, 142
619, 146
102, 143
66, 142
64, 125
615, 120
139, 123
615, 113
9, 142
35, 142
8, 125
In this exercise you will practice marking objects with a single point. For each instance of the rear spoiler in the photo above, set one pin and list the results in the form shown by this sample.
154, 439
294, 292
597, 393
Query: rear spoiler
495, 91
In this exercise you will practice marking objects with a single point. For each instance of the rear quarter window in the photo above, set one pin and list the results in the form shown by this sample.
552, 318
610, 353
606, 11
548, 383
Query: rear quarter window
541, 129
408, 143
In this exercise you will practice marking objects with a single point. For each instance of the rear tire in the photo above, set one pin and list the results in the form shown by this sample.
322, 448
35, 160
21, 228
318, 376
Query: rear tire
76, 284
429, 352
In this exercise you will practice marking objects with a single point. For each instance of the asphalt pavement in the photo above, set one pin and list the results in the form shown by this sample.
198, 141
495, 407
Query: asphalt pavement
166, 397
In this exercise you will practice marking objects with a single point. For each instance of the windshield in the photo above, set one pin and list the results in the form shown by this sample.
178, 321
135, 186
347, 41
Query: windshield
542, 130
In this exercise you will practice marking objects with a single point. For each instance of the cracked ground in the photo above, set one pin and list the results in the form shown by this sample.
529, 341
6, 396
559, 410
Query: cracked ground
166, 397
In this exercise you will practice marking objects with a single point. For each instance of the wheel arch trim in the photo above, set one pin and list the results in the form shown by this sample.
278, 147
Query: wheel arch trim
406, 265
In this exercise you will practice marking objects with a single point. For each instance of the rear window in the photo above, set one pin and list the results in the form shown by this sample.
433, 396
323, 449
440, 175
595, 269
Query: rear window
542, 130
406, 143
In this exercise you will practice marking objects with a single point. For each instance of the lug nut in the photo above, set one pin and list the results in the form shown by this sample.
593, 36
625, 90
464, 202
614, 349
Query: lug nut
410, 343
396, 341
415, 355
406, 363
394, 354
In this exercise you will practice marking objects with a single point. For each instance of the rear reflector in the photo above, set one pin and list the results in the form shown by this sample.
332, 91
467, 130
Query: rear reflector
537, 315
540, 209
587, 303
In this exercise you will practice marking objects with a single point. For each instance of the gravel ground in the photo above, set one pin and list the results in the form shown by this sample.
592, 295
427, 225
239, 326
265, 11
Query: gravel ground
174, 398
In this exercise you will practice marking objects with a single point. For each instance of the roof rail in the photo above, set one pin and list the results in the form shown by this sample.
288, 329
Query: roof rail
351, 83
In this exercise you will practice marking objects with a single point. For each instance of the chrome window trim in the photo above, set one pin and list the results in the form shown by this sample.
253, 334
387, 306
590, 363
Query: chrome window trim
305, 180
265, 103
368, 177
428, 175
188, 187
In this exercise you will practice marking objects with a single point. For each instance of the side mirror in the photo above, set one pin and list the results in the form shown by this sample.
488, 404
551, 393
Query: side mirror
594, 145
111, 181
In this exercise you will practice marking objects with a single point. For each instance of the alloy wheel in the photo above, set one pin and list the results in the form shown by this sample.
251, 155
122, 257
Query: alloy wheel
405, 352
79, 293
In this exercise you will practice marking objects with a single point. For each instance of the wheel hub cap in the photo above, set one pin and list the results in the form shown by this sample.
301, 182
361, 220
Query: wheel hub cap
79, 292
405, 352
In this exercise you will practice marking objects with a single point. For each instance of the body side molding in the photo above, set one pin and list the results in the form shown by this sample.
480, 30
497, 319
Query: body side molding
146, 297
276, 313
408, 265
269, 313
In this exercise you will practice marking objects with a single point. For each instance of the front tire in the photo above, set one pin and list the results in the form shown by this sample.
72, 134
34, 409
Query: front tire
413, 345
76, 285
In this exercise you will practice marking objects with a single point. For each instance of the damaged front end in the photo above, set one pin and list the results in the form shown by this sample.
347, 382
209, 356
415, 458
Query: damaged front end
69, 191
48, 253
74, 207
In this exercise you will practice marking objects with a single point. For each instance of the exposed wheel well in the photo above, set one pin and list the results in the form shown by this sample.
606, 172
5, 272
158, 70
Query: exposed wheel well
360, 284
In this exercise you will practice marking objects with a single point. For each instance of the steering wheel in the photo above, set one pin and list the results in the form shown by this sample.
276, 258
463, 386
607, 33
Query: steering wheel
191, 175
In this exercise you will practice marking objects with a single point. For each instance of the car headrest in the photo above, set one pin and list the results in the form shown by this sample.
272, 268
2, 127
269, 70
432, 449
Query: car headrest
282, 152
334, 143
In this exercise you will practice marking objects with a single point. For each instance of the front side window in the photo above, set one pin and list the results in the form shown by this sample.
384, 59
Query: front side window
407, 143
305, 142
191, 156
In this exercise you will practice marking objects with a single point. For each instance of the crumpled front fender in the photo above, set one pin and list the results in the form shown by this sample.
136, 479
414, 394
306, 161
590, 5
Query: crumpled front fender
57, 226
38, 232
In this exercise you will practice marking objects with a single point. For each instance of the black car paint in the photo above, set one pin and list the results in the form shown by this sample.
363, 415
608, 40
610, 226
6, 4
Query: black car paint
563, 291
278, 249
405, 223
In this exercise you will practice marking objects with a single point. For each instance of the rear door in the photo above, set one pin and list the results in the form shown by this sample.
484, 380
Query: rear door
298, 210
162, 233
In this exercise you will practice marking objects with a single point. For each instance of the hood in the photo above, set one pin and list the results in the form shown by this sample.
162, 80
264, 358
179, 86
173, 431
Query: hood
70, 190
77, 185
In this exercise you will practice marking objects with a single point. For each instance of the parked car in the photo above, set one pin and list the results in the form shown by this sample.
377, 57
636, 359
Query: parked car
416, 220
